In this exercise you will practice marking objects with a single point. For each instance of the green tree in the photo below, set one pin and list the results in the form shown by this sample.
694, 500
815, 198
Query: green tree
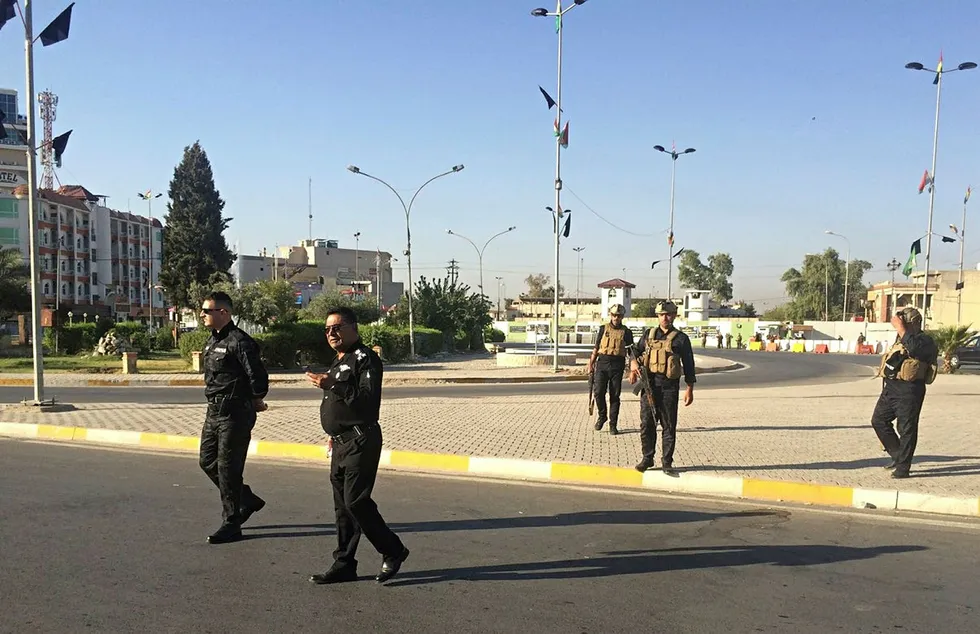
449, 307
540, 286
644, 308
367, 311
714, 276
817, 288
195, 249
948, 339
14, 279
778, 313
746, 306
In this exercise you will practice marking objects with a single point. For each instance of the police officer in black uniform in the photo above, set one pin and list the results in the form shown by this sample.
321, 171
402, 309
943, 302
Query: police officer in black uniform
349, 413
905, 369
608, 361
235, 384
664, 354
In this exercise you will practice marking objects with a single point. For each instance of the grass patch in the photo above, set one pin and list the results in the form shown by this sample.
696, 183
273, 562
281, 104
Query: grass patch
156, 363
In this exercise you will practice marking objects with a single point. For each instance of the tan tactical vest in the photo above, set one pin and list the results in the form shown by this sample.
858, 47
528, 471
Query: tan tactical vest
660, 358
612, 342
910, 369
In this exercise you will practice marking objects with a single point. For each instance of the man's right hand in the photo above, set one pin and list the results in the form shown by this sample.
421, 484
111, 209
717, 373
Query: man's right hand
321, 381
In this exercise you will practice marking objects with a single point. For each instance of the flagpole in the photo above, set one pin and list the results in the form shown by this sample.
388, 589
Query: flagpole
557, 309
36, 328
670, 235
932, 197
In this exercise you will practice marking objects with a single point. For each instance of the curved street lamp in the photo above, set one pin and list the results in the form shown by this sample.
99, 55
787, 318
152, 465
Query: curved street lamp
148, 196
938, 81
673, 154
847, 268
408, 232
479, 251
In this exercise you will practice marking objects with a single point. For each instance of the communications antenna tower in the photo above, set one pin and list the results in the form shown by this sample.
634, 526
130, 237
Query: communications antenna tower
49, 112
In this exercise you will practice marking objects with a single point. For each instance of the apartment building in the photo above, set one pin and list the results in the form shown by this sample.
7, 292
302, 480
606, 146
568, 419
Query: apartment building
93, 259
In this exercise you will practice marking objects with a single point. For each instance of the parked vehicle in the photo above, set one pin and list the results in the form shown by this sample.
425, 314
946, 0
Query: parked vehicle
968, 354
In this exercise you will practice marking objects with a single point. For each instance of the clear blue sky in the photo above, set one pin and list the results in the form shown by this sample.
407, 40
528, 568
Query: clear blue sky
280, 92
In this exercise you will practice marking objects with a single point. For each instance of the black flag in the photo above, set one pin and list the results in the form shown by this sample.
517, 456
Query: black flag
678, 253
547, 97
57, 31
7, 12
58, 144
568, 227
948, 239
655, 263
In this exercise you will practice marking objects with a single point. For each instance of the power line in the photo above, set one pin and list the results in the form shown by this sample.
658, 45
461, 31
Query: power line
597, 215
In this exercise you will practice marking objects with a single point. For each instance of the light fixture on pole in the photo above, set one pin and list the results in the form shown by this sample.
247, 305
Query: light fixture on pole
847, 269
674, 155
892, 266
479, 251
148, 196
938, 81
55, 32
560, 137
408, 232
961, 235
357, 253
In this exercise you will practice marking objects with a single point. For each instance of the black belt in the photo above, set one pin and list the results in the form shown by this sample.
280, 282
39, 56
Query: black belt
354, 432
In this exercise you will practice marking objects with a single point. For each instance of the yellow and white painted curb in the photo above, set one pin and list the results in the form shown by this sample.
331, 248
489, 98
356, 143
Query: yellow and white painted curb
569, 473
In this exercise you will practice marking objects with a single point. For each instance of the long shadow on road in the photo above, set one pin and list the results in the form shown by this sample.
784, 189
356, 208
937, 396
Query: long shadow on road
637, 562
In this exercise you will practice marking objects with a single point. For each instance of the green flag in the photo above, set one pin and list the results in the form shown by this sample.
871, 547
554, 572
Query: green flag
910, 263
557, 23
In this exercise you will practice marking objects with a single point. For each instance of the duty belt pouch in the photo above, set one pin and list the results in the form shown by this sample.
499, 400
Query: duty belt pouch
893, 365
222, 406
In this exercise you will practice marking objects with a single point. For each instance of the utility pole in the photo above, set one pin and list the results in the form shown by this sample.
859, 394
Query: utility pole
499, 281
452, 271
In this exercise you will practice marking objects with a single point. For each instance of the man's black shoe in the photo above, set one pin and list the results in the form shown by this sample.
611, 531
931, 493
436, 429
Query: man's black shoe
257, 505
669, 470
899, 474
891, 465
335, 575
613, 430
599, 424
391, 565
227, 534
643, 465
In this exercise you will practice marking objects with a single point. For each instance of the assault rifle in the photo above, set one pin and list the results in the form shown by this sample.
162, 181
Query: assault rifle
591, 390
644, 383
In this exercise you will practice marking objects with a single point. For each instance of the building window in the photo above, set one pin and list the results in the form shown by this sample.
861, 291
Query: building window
47, 288
8, 208
142, 254
78, 267
64, 290
95, 277
130, 251
10, 236
64, 266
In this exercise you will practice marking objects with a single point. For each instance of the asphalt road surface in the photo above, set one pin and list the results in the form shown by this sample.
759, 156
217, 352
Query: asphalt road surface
100, 540
765, 369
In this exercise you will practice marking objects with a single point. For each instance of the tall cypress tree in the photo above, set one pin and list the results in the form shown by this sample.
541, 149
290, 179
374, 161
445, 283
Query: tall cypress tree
195, 249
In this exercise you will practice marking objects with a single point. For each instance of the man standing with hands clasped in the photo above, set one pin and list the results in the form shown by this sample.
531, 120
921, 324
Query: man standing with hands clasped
608, 362
663, 352
349, 414
235, 382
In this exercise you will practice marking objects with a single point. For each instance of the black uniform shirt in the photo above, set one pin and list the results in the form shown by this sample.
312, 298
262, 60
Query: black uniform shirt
233, 367
681, 346
353, 393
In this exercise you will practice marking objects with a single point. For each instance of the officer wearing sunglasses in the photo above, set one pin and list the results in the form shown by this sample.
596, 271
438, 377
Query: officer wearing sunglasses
235, 384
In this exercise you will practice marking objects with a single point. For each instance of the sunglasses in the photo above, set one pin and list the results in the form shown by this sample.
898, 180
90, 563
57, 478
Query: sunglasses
334, 329
208, 311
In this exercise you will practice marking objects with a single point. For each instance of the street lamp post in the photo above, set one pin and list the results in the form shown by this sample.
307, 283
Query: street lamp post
408, 233
558, 14
673, 154
357, 257
938, 81
479, 251
892, 266
148, 196
847, 268
961, 234
499, 282
578, 282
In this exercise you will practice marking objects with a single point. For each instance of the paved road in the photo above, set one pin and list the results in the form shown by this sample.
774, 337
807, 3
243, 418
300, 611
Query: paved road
106, 541
765, 369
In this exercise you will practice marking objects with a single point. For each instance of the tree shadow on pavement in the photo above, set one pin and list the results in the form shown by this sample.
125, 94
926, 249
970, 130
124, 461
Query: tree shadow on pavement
584, 518
636, 562
772, 428
843, 465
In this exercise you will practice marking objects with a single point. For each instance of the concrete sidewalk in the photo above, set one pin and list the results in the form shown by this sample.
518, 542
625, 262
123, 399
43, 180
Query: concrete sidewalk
451, 369
804, 444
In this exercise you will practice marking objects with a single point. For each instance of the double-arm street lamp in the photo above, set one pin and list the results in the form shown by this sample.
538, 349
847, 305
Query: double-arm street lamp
148, 196
674, 155
479, 251
847, 269
558, 14
938, 81
408, 233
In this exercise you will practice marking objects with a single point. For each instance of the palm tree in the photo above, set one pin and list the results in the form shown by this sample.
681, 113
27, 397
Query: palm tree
948, 339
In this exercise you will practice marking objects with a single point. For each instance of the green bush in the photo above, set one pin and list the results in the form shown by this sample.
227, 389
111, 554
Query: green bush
278, 347
77, 338
163, 339
492, 335
307, 341
394, 342
192, 341
129, 328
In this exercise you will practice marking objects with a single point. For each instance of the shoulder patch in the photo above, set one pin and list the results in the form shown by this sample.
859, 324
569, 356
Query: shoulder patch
360, 354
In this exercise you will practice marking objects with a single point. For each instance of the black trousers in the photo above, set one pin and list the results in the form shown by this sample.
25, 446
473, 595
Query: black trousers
608, 376
224, 445
666, 394
900, 401
353, 471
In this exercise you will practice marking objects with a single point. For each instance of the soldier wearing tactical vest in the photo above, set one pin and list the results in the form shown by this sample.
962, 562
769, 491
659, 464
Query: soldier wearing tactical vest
664, 355
608, 361
906, 368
